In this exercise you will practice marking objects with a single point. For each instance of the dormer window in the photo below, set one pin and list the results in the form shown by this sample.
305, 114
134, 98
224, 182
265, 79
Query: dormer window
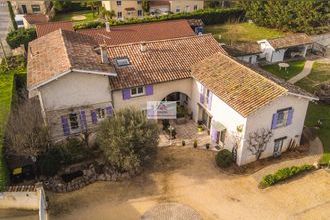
122, 61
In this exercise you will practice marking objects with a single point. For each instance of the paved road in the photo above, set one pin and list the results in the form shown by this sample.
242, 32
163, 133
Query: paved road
4, 23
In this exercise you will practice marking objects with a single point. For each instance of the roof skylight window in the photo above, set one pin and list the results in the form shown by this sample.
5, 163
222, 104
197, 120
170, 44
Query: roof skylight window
122, 61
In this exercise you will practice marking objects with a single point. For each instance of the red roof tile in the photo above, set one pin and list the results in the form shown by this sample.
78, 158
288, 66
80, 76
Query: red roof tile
141, 32
36, 18
46, 28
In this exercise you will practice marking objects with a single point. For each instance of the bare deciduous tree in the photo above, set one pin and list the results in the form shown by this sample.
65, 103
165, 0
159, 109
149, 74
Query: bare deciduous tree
258, 140
26, 133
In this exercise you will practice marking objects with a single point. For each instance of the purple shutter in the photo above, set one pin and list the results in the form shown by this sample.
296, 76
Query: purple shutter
94, 117
83, 121
149, 90
109, 111
274, 121
126, 94
290, 116
209, 101
65, 125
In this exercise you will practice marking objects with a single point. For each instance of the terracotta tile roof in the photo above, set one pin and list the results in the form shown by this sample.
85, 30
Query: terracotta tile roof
46, 28
59, 52
141, 32
242, 49
36, 18
240, 87
159, 3
290, 41
163, 60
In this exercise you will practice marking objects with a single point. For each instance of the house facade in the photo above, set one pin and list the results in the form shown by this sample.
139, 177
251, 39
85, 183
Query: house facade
126, 9
31, 7
88, 82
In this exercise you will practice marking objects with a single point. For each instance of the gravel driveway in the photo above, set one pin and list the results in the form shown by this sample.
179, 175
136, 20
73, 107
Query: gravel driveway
190, 177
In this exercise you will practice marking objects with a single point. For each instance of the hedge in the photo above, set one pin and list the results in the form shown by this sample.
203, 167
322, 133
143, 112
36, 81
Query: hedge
284, 174
208, 16
20, 36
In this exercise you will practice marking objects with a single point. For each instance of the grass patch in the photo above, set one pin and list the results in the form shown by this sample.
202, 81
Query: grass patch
294, 68
284, 174
68, 16
6, 88
320, 74
242, 32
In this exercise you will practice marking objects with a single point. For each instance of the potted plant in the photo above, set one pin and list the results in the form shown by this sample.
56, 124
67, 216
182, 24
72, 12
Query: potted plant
200, 128
207, 146
183, 143
195, 143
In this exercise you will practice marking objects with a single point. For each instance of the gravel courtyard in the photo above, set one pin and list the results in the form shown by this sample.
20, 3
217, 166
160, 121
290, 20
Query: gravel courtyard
190, 177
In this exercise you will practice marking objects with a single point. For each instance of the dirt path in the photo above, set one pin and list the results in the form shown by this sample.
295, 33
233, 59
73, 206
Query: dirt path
190, 177
305, 72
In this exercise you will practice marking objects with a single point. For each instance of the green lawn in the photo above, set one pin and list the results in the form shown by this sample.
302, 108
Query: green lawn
295, 68
6, 88
68, 16
242, 32
320, 73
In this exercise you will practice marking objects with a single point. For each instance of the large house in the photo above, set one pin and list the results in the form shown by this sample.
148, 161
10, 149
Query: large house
31, 6
88, 82
125, 9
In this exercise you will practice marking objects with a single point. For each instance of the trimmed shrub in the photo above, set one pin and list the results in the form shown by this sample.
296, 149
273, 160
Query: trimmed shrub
21, 36
224, 158
284, 174
208, 16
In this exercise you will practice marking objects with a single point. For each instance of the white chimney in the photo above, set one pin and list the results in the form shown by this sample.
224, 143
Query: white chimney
143, 47
107, 26
104, 54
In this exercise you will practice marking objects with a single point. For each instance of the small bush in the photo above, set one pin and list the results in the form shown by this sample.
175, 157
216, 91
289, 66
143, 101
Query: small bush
284, 174
224, 158
21, 36
195, 144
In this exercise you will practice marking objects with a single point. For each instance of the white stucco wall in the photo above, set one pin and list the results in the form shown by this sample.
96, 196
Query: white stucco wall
263, 119
75, 89
160, 91
221, 112
277, 56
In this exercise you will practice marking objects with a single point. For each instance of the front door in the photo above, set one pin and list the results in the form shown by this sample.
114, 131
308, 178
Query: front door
278, 147
206, 119
24, 9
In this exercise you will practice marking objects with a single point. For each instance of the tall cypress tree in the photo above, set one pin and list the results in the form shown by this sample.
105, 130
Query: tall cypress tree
12, 15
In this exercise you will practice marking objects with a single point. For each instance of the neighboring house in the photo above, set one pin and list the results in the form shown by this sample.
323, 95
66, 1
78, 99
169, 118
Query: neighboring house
30, 20
247, 52
31, 6
87, 82
46, 28
279, 49
140, 32
125, 9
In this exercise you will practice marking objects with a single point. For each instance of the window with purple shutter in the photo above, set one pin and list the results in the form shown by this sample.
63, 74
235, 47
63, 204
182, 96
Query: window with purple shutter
274, 121
83, 121
209, 101
214, 135
94, 117
149, 90
202, 95
126, 94
290, 117
65, 125
109, 111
